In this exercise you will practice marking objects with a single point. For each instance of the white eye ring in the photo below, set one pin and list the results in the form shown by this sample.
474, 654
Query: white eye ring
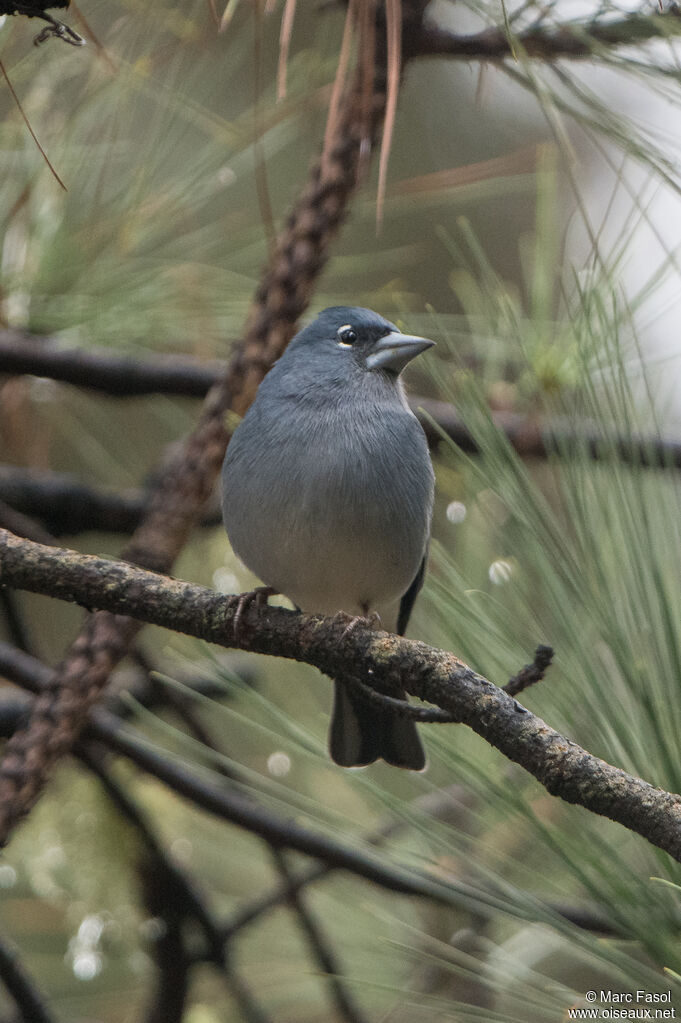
347, 336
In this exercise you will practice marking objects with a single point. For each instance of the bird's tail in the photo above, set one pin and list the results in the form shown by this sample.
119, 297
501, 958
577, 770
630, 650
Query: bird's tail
361, 733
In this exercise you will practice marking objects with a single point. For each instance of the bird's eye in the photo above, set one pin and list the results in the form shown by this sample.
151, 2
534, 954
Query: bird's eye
346, 336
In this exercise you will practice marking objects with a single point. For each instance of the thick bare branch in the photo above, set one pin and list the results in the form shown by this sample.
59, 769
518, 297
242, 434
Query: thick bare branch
393, 663
574, 40
67, 506
107, 371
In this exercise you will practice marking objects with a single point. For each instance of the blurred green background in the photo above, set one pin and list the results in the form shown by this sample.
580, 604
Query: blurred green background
504, 239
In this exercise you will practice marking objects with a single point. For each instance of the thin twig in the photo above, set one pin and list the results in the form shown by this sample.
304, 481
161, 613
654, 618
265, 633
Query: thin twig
28, 125
393, 22
21, 524
394, 705
531, 673
250, 1010
284, 46
16, 627
319, 944
262, 187
527, 676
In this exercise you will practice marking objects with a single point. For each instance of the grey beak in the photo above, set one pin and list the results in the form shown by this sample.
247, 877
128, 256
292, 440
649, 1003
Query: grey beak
395, 350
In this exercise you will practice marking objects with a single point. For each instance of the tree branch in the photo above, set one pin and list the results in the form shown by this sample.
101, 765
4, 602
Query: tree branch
532, 438
67, 506
107, 728
185, 893
562, 767
319, 945
575, 40
277, 831
105, 370
21, 524
22, 988
531, 673
171, 956
222, 802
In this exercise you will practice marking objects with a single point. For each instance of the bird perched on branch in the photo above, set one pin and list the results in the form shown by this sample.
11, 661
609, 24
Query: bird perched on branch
327, 497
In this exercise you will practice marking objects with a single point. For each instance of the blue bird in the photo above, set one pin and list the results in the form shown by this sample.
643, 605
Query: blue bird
328, 494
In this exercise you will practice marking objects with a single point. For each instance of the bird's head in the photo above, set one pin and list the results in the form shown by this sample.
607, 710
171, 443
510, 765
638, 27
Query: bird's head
358, 338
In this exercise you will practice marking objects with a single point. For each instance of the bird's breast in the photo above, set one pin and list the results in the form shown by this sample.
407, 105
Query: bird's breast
336, 514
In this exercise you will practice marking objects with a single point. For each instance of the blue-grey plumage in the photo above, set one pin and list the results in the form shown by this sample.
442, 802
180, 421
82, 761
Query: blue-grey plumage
328, 492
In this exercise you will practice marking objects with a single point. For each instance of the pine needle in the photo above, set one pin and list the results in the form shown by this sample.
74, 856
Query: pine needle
28, 125
339, 81
284, 45
393, 16
261, 181
214, 13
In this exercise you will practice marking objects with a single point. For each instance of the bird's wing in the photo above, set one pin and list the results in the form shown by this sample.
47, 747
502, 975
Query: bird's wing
409, 598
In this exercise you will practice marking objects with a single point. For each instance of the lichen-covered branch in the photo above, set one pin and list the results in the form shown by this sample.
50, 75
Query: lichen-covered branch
562, 767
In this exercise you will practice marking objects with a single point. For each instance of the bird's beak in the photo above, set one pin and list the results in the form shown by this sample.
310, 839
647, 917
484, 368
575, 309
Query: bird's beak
395, 350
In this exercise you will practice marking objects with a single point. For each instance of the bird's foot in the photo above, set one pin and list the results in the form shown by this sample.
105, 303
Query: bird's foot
371, 620
242, 600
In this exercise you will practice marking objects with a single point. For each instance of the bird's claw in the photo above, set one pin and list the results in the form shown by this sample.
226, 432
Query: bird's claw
257, 596
58, 30
369, 621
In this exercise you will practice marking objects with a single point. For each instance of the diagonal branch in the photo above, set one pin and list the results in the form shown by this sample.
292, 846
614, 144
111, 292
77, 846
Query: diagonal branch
107, 729
531, 673
22, 988
562, 767
186, 896
319, 944
278, 831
